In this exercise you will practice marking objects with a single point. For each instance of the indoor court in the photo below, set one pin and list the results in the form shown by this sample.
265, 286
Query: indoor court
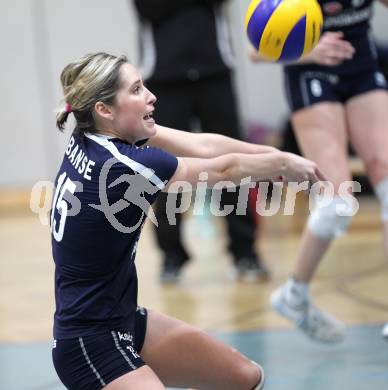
351, 284
41, 38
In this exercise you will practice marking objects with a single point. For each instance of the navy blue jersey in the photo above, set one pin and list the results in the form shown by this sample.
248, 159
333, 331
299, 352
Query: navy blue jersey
103, 194
352, 17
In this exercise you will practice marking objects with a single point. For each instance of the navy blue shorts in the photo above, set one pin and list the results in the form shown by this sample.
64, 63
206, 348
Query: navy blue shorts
308, 84
91, 362
305, 87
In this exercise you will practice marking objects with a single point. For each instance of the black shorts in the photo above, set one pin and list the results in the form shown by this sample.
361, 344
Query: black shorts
305, 87
93, 361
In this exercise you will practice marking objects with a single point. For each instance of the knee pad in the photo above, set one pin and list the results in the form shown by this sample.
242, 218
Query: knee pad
330, 219
260, 385
381, 191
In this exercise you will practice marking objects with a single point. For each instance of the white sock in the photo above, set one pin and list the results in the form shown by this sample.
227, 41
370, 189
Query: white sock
296, 292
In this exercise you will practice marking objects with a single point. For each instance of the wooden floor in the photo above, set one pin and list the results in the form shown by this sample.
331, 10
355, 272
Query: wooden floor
351, 282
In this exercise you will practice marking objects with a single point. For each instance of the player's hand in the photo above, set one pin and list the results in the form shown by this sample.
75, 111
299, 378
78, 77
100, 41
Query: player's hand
253, 55
299, 169
331, 49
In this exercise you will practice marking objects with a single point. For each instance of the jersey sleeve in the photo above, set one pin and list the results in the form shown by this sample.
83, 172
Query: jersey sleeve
154, 164
162, 163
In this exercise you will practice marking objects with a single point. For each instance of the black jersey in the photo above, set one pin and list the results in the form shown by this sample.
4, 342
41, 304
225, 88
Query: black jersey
103, 192
183, 40
352, 17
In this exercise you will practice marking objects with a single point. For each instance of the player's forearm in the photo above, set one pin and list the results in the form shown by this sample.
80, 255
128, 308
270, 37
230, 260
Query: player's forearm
218, 145
254, 56
203, 145
306, 59
258, 167
241, 168
234, 168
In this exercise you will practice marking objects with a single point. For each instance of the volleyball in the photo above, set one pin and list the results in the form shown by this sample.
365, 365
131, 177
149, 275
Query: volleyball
283, 30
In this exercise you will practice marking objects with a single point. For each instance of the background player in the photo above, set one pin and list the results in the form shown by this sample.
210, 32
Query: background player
193, 80
337, 94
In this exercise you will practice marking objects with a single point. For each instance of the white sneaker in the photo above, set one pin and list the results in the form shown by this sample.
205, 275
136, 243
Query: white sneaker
309, 319
384, 331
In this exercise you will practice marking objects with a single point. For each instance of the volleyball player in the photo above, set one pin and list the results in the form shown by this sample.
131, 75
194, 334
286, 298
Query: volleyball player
337, 94
115, 165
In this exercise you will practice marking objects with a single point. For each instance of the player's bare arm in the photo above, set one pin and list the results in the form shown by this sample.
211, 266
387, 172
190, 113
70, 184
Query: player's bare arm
236, 166
202, 145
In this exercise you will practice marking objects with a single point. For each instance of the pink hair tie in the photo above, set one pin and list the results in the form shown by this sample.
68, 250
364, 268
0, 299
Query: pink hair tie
68, 108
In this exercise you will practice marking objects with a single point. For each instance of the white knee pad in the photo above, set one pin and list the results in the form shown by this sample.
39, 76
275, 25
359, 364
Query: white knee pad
260, 385
381, 191
331, 218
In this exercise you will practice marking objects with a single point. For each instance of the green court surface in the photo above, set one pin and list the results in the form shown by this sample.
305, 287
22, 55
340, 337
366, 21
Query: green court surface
291, 362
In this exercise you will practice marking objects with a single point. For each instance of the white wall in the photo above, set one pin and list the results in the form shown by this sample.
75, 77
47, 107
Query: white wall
380, 22
41, 36
22, 145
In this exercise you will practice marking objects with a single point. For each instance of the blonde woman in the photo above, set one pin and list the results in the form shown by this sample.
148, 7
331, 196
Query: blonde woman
115, 165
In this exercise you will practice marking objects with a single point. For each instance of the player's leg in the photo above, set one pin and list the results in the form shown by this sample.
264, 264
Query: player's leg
321, 133
142, 378
173, 110
184, 356
217, 110
368, 131
368, 123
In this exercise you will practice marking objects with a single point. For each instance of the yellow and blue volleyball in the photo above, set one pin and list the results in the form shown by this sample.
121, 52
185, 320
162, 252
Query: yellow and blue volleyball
284, 30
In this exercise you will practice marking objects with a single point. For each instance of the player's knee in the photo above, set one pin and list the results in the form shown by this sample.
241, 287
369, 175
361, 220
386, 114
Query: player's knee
248, 375
259, 378
332, 219
381, 190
